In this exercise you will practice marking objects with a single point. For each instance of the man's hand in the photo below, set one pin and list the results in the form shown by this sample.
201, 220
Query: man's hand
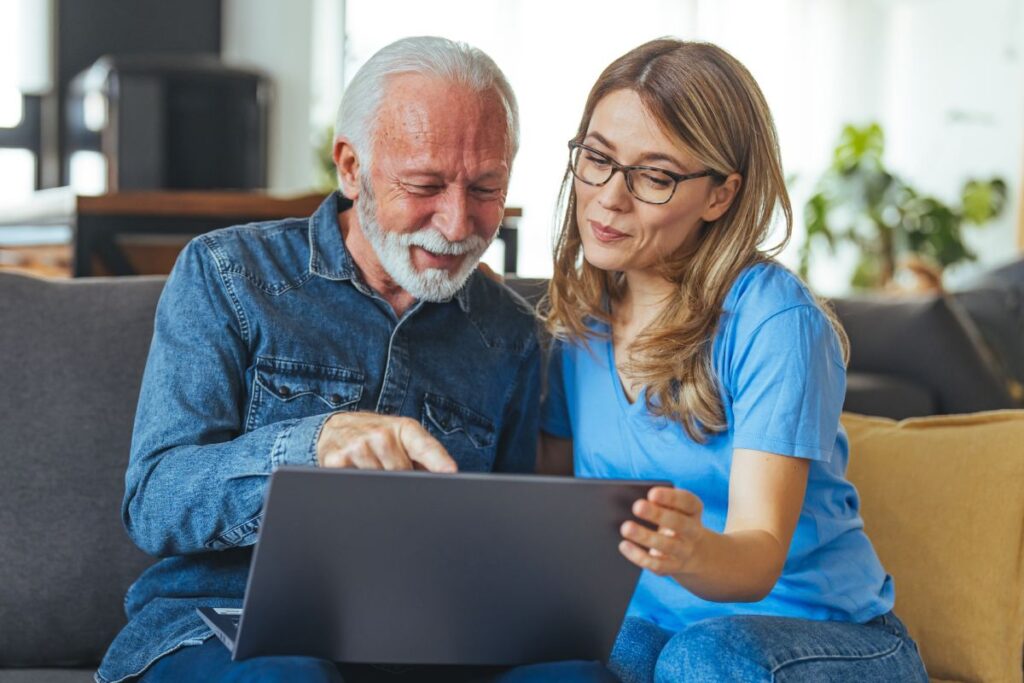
368, 441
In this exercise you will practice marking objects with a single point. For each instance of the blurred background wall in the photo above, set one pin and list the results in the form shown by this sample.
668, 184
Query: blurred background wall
943, 78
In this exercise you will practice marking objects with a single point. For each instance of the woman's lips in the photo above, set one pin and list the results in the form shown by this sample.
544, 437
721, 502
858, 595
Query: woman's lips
604, 233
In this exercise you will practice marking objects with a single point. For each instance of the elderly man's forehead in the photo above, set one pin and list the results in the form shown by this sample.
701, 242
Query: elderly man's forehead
421, 111
415, 102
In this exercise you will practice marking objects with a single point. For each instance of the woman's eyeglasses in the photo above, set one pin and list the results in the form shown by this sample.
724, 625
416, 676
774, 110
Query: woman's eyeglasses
649, 184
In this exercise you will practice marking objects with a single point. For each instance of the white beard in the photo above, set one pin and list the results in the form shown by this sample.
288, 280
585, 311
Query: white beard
393, 252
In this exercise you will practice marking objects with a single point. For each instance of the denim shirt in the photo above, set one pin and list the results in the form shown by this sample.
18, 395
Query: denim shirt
262, 332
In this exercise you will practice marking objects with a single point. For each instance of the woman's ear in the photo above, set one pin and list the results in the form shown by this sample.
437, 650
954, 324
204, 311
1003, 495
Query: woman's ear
347, 162
721, 197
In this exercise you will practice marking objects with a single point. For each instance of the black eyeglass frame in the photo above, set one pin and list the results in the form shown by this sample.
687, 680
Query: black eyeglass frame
616, 166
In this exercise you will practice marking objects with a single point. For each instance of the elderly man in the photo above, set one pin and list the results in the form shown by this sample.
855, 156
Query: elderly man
360, 337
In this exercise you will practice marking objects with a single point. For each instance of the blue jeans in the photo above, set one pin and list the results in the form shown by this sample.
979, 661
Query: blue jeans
212, 662
755, 648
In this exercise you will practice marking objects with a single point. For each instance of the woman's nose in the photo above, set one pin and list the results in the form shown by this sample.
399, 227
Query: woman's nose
614, 195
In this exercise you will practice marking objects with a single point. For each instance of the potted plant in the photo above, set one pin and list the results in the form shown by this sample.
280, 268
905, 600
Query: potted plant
859, 200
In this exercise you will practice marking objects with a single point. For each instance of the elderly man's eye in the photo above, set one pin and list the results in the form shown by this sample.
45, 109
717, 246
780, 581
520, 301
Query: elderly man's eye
423, 189
487, 192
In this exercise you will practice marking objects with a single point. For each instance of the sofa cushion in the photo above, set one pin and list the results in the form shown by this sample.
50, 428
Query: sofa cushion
943, 503
928, 340
995, 302
73, 353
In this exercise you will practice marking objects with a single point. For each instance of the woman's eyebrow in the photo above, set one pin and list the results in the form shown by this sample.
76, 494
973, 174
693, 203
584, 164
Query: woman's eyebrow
600, 138
648, 157
645, 158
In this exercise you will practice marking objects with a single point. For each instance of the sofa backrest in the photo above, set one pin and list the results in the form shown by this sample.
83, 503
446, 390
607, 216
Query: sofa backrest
925, 339
72, 354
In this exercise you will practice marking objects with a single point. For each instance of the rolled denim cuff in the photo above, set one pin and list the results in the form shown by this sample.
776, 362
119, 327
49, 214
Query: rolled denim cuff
296, 444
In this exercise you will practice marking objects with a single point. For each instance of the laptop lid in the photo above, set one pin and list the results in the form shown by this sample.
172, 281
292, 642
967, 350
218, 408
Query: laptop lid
420, 568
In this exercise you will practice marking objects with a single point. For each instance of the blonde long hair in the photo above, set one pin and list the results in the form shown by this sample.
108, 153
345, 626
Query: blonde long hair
703, 97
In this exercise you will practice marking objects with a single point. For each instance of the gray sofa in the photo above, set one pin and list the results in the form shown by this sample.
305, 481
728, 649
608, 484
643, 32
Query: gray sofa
71, 360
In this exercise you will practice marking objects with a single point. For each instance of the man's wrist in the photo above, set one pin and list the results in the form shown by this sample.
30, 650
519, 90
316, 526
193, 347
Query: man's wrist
296, 444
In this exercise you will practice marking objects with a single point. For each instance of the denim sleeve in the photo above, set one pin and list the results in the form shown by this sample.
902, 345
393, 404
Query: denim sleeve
195, 482
517, 444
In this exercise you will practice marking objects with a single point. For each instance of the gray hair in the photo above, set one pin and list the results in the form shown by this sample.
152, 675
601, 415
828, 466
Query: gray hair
451, 61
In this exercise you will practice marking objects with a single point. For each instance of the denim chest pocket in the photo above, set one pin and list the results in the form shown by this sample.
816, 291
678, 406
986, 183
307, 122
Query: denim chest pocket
287, 389
468, 436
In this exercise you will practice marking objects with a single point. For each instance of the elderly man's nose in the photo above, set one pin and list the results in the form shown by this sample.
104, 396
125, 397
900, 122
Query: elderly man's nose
453, 219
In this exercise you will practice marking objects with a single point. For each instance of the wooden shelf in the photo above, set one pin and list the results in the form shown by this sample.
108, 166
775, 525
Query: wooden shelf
130, 233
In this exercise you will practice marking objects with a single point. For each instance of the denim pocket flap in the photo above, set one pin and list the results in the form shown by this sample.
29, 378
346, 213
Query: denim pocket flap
449, 417
289, 380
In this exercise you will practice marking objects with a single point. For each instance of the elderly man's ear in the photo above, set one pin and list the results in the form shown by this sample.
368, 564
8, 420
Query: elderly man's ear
347, 163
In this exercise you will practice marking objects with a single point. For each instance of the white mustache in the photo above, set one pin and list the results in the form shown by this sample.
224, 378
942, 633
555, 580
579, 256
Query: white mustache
433, 241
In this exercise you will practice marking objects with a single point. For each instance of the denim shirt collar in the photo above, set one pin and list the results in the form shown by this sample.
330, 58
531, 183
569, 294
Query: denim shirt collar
328, 255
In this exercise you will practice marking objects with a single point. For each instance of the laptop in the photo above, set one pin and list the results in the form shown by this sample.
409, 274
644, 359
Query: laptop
419, 568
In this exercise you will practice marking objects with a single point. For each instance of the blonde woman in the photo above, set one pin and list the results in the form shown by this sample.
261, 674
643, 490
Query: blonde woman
686, 353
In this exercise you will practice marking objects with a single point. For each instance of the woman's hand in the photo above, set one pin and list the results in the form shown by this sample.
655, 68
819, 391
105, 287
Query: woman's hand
740, 564
667, 549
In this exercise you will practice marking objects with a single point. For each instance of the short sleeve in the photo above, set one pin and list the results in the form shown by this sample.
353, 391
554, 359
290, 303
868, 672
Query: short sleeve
787, 385
554, 418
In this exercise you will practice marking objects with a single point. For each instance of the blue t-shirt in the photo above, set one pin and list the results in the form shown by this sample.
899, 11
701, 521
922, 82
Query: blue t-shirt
782, 379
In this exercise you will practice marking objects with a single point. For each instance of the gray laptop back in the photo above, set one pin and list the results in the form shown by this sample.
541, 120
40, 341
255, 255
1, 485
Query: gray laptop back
417, 568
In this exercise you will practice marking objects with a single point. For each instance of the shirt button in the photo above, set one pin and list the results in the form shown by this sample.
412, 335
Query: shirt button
284, 391
335, 398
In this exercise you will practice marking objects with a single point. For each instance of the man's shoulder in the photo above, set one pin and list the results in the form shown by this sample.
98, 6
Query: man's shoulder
503, 317
270, 254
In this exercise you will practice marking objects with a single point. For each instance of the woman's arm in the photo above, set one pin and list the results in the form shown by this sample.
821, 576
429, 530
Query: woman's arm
766, 495
554, 455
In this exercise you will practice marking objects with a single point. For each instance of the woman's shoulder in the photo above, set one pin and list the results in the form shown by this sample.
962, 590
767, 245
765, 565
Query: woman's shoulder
768, 285
761, 292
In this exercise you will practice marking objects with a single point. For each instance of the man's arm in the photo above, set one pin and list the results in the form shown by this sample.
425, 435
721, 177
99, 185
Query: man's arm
517, 443
195, 482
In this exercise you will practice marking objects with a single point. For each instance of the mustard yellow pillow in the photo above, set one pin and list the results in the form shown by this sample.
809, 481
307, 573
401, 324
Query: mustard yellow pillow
943, 504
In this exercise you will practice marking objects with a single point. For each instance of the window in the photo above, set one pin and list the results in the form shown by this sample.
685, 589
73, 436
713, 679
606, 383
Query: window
24, 73
820, 63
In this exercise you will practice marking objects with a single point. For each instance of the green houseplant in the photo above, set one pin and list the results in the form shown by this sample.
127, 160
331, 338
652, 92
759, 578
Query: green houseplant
859, 200
326, 178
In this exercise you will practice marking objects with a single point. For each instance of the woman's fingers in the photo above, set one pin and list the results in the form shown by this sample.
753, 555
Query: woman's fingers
665, 550
677, 499
663, 540
662, 516
662, 565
